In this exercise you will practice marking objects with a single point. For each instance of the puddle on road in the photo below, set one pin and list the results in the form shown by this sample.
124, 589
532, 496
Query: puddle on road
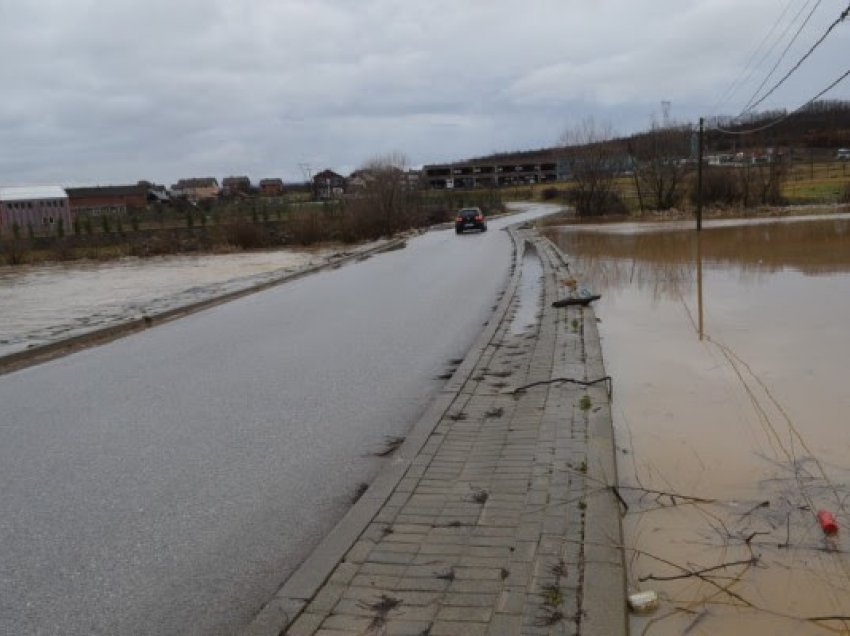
45, 303
729, 445
529, 293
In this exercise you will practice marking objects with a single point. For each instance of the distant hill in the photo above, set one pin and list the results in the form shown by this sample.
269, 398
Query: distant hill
822, 127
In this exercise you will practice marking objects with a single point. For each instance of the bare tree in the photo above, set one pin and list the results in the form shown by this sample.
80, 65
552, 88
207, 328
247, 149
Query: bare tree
662, 161
385, 201
761, 179
592, 159
770, 176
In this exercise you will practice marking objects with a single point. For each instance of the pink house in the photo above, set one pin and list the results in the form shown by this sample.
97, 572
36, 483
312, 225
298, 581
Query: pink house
40, 207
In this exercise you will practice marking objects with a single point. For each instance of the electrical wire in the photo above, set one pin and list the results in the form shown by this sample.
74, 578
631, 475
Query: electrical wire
778, 120
799, 63
785, 51
747, 72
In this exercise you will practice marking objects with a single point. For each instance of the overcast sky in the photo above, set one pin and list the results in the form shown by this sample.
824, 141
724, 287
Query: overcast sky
113, 91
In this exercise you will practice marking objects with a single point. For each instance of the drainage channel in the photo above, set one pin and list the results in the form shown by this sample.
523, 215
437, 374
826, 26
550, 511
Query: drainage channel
529, 292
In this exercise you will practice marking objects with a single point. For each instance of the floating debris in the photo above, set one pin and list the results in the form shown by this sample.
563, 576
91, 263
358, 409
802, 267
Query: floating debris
643, 602
827, 522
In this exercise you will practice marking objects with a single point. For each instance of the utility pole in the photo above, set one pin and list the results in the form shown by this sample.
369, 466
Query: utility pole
699, 173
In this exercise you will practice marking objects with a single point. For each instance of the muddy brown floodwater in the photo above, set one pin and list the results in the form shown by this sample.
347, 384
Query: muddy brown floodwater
45, 303
730, 357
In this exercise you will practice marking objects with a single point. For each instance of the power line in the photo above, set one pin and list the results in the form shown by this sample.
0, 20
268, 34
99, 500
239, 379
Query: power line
799, 63
785, 51
747, 72
778, 120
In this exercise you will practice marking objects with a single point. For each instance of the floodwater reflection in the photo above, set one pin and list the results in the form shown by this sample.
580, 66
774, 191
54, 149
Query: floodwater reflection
729, 355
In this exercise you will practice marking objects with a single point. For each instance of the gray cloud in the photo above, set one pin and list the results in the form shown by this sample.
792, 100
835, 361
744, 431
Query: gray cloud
98, 91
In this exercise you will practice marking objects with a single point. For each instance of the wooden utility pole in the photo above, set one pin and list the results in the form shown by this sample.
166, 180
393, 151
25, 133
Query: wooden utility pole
699, 174
699, 287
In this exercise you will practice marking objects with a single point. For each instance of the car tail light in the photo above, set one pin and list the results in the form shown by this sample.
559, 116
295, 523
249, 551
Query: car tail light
459, 219
479, 217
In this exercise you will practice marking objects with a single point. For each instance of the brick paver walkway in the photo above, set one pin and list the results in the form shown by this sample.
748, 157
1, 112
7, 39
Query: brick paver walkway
502, 523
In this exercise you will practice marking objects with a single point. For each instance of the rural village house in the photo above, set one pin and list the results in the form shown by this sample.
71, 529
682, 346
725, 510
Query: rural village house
271, 187
231, 186
197, 189
328, 185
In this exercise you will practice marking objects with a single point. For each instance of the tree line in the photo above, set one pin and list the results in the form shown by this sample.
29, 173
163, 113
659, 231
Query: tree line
661, 162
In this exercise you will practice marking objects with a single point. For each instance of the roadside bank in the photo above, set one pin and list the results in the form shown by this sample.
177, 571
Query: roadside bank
497, 514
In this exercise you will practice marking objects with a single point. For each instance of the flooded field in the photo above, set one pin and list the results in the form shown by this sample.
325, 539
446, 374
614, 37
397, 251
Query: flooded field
729, 353
45, 303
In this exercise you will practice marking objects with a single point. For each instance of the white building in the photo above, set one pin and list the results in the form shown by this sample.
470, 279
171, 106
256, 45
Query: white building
38, 206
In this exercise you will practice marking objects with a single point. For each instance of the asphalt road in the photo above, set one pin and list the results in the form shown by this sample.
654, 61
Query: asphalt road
169, 482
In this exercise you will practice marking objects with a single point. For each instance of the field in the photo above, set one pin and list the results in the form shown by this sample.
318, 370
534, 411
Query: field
808, 183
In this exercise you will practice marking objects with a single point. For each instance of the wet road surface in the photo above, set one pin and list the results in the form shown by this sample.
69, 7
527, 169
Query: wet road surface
169, 482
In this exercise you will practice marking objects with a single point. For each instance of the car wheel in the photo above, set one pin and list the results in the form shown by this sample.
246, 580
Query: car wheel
457, 231
484, 229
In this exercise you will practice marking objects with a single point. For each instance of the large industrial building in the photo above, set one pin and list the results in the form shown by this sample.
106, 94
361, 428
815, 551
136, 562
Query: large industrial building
494, 173
36, 207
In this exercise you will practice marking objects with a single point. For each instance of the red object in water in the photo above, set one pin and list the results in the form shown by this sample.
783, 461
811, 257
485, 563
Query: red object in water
827, 522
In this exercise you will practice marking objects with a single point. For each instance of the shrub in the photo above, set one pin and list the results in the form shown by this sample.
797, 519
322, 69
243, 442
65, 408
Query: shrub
720, 186
548, 194
61, 251
844, 197
607, 204
16, 253
306, 228
245, 235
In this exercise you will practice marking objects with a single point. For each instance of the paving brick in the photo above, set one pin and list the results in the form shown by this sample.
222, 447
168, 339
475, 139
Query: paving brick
327, 598
423, 584
406, 628
384, 569
505, 625
475, 586
306, 625
347, 622
375, 581
473, 613
457, 628
391, 556
512, 600
343, 573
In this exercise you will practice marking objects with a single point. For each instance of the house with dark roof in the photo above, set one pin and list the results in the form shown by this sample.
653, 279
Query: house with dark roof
271, 187
328, 185
113, 200
231, 186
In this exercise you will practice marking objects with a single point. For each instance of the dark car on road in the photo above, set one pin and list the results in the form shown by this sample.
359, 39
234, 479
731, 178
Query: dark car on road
470, 219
